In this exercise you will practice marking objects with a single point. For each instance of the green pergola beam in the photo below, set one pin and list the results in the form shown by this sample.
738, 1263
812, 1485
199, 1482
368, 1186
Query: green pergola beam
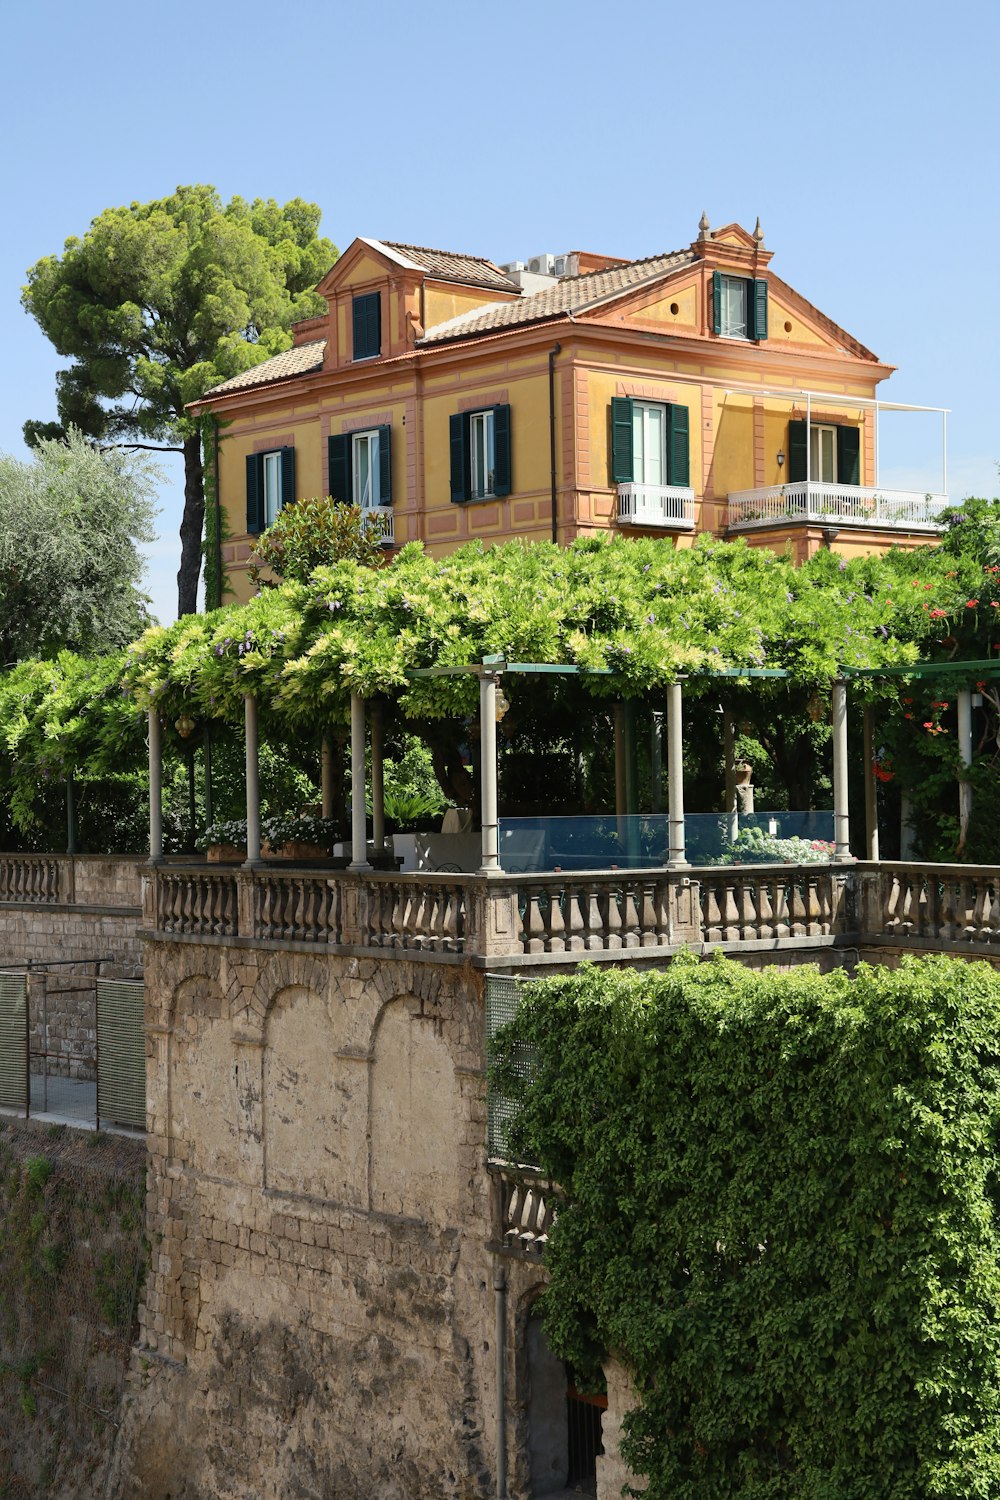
928, 669
990, 668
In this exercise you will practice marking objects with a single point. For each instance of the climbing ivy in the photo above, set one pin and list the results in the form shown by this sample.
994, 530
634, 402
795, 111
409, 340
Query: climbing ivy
780, 1214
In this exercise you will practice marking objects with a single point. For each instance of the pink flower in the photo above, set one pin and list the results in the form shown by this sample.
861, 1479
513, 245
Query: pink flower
971, 603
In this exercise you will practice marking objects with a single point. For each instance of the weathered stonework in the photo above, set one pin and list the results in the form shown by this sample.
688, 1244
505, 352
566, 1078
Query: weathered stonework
320, 1306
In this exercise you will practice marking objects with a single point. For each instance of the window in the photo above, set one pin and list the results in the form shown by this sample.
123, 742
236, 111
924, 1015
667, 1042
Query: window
480, 454
649, 443
365, 469
270, 486
834, 453
739, 306
361, 467
734, 307
823, 454
367, 326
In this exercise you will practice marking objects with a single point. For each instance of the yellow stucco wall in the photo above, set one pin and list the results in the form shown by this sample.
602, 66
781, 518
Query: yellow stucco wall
448, 300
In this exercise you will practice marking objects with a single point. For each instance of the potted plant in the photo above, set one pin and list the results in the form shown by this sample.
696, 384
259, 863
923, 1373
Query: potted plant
297, 836
226, 841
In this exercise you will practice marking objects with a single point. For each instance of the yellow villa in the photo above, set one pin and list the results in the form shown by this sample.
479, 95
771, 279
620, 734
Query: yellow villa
455, 398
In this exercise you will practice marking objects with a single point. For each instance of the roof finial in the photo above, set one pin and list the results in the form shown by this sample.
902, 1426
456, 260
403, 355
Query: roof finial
703, 226
758, 233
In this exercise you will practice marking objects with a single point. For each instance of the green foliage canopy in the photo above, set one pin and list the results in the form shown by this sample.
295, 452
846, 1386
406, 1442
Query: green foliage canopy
641, 610
158, 302
781, 1214
314, 533
71, 519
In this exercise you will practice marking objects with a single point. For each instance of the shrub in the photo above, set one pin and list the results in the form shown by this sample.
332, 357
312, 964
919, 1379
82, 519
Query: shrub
781, 1214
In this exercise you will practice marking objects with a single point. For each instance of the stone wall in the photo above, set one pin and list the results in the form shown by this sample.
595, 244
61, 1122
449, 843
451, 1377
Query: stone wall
96, 917
319, 1318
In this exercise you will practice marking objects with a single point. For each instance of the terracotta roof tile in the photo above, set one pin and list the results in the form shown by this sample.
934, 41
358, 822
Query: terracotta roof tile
571, 294
302, 360
471, 269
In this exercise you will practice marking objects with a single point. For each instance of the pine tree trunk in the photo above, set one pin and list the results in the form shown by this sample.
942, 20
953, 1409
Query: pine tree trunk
192, 526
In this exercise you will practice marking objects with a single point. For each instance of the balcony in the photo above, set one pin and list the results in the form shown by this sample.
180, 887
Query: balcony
837, 505
665, 506
380, 517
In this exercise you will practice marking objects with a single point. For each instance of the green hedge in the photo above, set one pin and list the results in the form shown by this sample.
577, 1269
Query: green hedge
781, 1214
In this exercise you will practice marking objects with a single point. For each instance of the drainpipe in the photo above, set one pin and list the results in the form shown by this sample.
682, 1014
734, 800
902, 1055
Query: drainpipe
499, 1344
155, 789
218, 512
556, 348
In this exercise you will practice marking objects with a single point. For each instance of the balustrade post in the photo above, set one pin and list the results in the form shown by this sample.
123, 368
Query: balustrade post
359, 819
841, 813
488, 772
676, 856
965, 755
251, 733
155, 789
378, 782
871, 791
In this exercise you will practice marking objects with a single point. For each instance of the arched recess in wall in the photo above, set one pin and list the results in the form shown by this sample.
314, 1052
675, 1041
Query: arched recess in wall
314, 1103
564, 1427
202, 1095
415, 1117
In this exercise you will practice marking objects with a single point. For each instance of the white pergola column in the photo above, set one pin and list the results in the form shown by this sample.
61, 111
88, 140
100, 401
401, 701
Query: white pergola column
378, 781
841, 813
326, 774
965, 755
621, 785
729, 752
488, 773
676, 854
155, 788
252, 737
871, 789
359, 820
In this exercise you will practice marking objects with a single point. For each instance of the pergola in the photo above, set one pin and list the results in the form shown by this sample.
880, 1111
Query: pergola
491, 671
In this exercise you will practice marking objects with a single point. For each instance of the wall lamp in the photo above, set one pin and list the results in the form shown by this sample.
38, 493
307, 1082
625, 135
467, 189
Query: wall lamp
781, 458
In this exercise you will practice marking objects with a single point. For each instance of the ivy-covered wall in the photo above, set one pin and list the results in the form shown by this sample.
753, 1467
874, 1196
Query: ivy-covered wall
780, 1216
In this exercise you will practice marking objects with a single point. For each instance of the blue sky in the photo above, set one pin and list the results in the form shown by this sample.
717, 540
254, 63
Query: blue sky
864, 135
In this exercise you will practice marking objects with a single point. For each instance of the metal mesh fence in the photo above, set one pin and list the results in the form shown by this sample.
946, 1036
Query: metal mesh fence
73, 1256
503, 993
121, 1054
13, 1042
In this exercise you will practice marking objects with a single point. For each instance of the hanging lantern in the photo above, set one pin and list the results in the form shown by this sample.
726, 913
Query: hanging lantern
185, 726
816, 708
502, 704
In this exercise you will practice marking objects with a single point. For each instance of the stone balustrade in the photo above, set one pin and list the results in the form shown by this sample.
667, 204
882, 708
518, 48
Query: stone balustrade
106, 881
542, 920
523, 1212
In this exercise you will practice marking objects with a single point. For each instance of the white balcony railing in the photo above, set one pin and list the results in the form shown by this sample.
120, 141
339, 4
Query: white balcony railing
384, 522
667, 505
840, 504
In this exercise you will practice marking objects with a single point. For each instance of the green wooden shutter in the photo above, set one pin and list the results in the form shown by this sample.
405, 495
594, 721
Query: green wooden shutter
716, 301
340, 469
255, 493
796, 452
848, 455
385, 466
622, 466
459, 425
501, 450
678, 445
367, 325
288, 495
758, 300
